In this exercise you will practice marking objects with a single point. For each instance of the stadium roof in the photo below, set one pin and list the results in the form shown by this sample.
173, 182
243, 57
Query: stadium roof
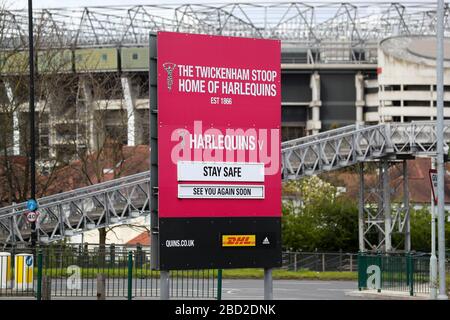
306, 24
416, 49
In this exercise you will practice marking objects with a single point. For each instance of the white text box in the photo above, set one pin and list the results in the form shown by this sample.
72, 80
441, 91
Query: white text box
220, 171
208, 191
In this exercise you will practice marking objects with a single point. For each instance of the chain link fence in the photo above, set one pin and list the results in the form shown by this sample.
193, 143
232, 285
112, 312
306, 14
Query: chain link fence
320, 261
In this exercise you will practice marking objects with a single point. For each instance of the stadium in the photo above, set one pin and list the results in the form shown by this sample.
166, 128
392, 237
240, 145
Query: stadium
341, 64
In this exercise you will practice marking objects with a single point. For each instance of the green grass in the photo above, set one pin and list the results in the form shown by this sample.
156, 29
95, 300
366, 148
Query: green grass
289, 275
88, 273
227, 274
448, 284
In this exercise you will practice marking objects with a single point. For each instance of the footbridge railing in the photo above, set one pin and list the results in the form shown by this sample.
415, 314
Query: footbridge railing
350, 145
73, 212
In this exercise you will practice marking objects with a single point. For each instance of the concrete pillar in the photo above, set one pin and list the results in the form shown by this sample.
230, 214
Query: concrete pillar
89, 114
314, 125
53, 113
129, 103
16, 131
360, 101
51, 135
101, 287
164, 284
46, 287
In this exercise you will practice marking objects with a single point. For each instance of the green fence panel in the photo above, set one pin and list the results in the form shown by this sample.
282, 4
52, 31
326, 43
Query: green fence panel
39, 276
219, 284
398, 272
130, 275
362, 267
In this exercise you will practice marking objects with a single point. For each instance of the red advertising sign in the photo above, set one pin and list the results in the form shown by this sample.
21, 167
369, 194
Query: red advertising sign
219, 181
219, 116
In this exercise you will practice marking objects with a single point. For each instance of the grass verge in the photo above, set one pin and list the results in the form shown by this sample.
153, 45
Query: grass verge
289, 275
227, 274
448, 285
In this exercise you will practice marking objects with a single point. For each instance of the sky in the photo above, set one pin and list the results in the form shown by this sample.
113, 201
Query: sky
22, 4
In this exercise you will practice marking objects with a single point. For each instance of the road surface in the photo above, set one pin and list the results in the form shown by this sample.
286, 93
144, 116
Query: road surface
289, 289
232, 289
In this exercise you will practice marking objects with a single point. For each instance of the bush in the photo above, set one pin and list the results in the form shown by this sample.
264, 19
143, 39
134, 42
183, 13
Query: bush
322, 220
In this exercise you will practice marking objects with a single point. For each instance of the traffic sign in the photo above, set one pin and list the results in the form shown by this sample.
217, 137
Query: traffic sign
29, 261
32, 216
433, 181
32, 205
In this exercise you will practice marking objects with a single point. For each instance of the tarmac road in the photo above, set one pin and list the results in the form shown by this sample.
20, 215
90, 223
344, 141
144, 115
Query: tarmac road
289, 289
232, 289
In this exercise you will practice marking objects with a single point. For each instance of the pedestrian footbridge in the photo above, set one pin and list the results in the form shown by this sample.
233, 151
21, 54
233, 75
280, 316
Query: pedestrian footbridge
353, 144
117, 201
79, 210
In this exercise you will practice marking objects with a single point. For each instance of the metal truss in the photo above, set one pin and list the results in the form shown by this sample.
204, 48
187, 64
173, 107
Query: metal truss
379, 217
335, 151
346, 146
328, 32
66, 214
317, 137
400, 217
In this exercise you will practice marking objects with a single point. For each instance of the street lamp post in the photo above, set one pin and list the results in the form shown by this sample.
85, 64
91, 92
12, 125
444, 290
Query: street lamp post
31, 117
440, 147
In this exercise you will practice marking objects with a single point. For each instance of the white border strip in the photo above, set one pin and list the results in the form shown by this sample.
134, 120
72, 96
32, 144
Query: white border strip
195, 171
185, 193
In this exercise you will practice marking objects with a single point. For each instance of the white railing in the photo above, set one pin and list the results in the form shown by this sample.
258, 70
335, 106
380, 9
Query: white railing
344, 147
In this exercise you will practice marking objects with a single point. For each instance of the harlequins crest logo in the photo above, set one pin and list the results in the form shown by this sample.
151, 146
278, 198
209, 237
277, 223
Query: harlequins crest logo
169, 67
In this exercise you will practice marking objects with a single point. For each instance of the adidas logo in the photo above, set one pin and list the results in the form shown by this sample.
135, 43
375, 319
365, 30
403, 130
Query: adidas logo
266, 241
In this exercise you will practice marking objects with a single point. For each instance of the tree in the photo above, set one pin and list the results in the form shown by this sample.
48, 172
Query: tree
322, 219
421, 230
14, 107
316, 217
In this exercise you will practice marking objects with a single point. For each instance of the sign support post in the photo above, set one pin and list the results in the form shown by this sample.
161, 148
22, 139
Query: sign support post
268, 284
164, 279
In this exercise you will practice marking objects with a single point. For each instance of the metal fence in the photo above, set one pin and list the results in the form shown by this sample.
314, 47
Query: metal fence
16, 279
320, 261
124, 272
73, 271
90, 271
402, 273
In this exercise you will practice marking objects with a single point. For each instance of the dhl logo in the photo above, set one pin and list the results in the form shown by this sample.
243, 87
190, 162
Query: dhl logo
238, 240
